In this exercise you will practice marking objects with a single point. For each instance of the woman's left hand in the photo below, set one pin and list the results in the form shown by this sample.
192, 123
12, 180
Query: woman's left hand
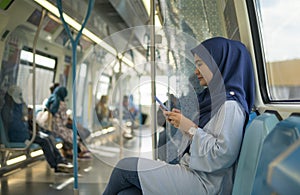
178, 120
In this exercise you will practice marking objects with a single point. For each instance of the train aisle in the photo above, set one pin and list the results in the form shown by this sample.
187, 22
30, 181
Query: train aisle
93, 174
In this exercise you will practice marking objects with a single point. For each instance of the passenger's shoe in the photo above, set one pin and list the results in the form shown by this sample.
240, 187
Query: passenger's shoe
65, 165
64, 168
84, 155
127, 135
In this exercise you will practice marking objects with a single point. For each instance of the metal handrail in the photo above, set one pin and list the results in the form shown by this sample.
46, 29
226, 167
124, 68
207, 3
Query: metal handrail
74, 43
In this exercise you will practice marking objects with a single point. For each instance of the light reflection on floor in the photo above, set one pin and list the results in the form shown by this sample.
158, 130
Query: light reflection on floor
38, 178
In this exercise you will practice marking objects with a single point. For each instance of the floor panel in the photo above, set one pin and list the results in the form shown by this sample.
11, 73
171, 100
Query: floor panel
38, 178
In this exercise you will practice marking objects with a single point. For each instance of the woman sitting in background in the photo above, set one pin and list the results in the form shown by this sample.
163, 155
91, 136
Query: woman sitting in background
57, 106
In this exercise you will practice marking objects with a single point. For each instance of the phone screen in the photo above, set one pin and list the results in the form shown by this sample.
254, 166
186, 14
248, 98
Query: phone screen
162, 105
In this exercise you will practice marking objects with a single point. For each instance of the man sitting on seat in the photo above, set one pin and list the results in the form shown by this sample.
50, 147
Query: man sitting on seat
15, 114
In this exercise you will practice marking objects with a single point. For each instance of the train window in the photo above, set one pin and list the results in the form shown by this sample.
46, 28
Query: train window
45, 68
39, 59
81, 87
280, 31
103, 86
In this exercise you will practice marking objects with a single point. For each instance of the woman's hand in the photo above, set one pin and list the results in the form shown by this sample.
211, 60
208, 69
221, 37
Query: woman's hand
178, 120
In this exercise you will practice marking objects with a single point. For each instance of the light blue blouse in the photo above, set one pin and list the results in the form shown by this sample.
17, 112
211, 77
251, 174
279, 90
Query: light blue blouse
209, 167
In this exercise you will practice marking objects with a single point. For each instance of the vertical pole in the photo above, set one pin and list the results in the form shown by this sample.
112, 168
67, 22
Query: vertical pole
74, 62
153, 74
75, 151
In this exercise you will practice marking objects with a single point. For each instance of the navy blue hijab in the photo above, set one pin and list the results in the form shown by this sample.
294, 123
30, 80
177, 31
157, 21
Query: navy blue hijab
233, 77
58, 95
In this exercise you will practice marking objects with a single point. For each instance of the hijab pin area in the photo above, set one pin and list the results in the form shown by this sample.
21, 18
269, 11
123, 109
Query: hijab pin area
232, 93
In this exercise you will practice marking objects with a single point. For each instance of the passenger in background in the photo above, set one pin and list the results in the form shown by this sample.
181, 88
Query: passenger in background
129, 109
210, 147
102, 111
132, 107
170, 138
18, 123
53, 86
82, 132
57, 106
129, 115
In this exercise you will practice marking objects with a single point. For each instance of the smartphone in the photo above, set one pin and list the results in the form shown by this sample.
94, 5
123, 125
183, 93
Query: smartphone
162, 105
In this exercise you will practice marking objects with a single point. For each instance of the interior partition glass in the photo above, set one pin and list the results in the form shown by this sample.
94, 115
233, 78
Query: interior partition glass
126, 108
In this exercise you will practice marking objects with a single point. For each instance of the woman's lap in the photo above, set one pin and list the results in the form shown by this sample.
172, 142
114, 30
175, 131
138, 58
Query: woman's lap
158, 177
154, 177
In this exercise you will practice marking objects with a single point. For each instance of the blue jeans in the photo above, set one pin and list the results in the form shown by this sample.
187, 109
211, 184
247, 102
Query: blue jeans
124, 178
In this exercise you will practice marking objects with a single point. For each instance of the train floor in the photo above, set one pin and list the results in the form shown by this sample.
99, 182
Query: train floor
38, 178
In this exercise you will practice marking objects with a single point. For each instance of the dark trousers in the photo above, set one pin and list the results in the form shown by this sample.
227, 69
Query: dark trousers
51, 153
124, 178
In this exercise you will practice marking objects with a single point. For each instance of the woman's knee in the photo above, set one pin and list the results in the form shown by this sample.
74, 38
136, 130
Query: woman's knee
131, 191
129, 164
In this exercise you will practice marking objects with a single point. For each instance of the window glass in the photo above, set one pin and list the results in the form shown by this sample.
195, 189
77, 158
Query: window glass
280, 29
25, 78
45, 69
103, 85
39, 59
82, 72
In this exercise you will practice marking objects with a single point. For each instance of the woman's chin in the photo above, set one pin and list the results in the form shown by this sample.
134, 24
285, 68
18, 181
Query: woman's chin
203, 83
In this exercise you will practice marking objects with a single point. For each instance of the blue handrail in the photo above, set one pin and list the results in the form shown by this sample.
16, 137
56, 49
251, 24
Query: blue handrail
74, 43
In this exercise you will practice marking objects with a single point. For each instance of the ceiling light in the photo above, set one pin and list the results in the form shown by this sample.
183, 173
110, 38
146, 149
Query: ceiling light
54, 10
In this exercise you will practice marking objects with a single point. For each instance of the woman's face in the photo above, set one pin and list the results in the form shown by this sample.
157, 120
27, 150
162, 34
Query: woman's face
202, 71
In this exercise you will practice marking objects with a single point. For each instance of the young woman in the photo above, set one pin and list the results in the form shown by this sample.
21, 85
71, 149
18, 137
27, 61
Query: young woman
212, 146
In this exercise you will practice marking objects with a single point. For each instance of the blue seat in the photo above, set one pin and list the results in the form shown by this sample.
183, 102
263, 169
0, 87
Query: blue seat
284, 172
255, 134
284, 134
252, 116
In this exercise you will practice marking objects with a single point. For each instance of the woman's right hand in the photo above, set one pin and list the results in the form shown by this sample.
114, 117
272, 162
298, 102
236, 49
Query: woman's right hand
178, 120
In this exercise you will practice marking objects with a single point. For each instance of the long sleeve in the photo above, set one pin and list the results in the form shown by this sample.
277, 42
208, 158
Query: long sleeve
217, 145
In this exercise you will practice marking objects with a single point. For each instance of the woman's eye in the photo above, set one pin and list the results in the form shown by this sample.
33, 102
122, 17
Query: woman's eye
198, 64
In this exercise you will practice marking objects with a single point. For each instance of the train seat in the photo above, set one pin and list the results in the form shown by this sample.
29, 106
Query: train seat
254, 137
252, 116
284, 134
284, 172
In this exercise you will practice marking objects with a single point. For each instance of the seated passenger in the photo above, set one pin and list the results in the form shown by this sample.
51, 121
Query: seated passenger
129, 109
57, 106
83, 132
133, 109
169, 139
210, 147
14, 114
102, 111
129, 115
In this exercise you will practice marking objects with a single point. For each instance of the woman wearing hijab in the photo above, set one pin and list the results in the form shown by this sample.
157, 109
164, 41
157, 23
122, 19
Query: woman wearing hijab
57, 106
212, 146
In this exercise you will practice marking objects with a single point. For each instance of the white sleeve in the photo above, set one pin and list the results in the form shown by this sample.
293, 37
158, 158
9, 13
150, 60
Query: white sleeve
217, 145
